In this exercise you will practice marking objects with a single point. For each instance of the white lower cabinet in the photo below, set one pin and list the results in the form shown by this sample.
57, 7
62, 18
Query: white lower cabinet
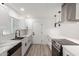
4, 53
66, 52
23, 46
26, 42
29, 42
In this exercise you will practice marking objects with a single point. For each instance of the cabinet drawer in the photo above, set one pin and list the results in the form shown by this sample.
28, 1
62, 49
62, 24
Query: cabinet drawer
66, 53
4, 53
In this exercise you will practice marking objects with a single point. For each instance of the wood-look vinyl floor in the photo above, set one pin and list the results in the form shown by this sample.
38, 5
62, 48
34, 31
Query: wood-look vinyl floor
39, 50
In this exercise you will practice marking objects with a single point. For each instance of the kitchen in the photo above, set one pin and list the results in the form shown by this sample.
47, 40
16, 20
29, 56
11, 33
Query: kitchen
39, 29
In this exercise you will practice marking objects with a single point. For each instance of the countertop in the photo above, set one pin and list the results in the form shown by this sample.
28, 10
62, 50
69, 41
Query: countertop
63, 37
65, 42
74, 50
5, 45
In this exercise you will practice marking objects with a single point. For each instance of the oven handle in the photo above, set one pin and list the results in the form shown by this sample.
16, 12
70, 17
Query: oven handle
56, 48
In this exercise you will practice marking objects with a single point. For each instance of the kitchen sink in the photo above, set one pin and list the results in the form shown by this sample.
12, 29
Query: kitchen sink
18, 38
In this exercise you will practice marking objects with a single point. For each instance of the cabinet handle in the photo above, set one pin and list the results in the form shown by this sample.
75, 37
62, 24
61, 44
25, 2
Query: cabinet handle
67, 55
25, 44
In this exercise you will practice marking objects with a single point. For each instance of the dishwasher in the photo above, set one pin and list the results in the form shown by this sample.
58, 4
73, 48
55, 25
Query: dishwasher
15, 51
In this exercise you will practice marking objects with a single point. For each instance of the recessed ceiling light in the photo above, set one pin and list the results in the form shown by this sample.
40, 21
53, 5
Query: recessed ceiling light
28, 16
22, 9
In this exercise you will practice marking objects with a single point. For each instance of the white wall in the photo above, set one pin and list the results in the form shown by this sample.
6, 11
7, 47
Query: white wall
70, 29
5, 22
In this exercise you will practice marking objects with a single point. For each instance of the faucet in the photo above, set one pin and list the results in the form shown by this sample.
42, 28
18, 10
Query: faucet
15, 34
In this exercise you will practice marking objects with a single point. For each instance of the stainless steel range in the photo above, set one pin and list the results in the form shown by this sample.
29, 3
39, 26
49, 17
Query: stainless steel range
57, 46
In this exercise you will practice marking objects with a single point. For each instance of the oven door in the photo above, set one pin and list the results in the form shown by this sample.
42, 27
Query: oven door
55, 51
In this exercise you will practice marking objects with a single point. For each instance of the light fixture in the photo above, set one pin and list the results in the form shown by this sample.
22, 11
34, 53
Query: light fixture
22, 9
2, 3
28, 16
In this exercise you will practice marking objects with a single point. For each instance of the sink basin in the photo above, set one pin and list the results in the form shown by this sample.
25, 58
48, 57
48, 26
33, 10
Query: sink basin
18, 38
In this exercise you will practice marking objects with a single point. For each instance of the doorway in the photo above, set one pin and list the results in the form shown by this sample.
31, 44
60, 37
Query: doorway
39, 37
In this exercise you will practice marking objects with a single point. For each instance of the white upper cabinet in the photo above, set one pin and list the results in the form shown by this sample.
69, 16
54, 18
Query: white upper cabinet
69, 12
3, 15
5, 21
77, 10
19, 24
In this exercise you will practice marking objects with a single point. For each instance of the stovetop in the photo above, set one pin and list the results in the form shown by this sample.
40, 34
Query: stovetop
57, 44
64, 42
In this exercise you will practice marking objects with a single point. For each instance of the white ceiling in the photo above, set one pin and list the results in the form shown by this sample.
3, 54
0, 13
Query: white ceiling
35, 9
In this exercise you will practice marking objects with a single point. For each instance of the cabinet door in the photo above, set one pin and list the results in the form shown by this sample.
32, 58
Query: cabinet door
64, 12
23, 47
77, 10
5, 21
66, 53
4, 53
71, 11
30, 38
4, 17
